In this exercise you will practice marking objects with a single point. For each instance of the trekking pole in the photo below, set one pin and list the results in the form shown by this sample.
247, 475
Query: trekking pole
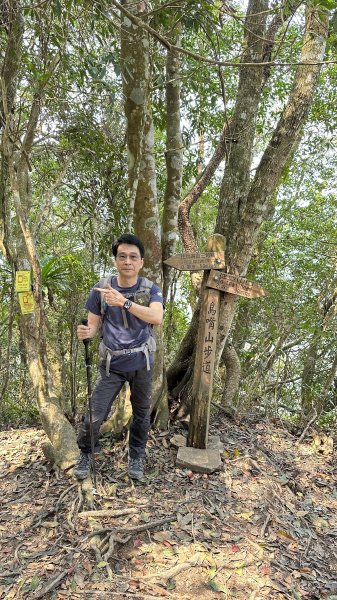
88, 370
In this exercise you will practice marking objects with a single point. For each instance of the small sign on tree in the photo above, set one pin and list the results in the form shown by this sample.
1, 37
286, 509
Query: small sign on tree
22, 281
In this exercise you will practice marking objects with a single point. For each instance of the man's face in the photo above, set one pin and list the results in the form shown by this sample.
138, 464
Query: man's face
128, 260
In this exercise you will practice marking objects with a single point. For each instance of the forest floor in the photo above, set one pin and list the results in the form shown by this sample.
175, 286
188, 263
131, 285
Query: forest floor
264, 526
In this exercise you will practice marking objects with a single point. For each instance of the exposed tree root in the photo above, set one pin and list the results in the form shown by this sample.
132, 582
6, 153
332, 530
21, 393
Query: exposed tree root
64, 494
99, 557
196, 560
304, 432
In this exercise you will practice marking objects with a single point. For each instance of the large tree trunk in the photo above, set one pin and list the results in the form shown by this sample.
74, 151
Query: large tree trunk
24, 257
142, 171
33, 329
12, 20
235, 183
242, 222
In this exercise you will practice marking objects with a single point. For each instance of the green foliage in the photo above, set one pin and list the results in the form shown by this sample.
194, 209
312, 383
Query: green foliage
54, 271
78, 169
19, 409
176, 321
329, 4
297, 267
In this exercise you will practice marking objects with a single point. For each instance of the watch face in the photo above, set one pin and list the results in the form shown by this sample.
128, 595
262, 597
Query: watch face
127, 304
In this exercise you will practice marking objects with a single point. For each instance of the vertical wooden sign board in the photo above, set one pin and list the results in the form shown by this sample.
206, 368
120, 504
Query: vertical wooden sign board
205, 357
214, 283
204, 370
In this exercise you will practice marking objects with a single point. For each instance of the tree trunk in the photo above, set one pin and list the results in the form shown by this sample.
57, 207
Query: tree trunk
308, 374
9, 75
252, 207
244, 204
17, 165
232, 377
142, 169
121, 413
174, 160
33, 329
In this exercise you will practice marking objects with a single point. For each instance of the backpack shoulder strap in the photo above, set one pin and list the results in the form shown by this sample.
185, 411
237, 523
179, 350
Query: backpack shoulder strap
143, 294
145, 285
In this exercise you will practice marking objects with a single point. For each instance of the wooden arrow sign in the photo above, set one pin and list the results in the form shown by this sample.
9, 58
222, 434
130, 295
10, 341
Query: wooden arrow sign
197, 261
226, 282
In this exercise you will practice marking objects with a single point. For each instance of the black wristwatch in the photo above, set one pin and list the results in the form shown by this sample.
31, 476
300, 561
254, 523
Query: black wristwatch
127, 304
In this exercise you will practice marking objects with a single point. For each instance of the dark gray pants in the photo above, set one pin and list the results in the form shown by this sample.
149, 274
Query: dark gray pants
106, 391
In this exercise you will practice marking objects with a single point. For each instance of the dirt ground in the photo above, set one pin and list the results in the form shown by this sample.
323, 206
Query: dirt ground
264, 526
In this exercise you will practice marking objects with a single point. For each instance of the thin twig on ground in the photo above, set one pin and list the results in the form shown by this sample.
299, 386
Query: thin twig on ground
265, 526
52, 585
304, 432
135, 529
108, 513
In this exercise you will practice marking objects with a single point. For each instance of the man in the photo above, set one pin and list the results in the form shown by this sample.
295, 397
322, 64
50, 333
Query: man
125, 350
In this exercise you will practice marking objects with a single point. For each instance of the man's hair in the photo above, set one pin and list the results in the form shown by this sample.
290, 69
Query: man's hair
128, 238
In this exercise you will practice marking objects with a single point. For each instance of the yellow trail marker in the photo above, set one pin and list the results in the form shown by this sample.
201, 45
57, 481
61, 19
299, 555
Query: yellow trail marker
22, 281
27, 304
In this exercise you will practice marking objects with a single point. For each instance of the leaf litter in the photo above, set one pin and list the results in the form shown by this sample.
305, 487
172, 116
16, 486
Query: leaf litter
264, 526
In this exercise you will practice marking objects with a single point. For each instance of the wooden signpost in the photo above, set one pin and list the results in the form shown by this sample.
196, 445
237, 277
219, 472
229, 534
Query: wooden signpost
226, 282
197, 261
215, 282
205, 353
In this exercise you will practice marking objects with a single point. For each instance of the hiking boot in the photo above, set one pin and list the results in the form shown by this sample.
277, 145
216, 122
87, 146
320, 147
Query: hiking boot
82, 467
136, 468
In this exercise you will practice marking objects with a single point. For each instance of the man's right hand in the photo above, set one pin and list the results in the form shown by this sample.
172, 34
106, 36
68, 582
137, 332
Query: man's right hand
86, 332
83, 332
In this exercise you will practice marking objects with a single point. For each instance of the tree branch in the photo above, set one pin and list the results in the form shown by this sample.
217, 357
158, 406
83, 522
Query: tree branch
35, 108
46, 201
185, 227
165, 42
285, 137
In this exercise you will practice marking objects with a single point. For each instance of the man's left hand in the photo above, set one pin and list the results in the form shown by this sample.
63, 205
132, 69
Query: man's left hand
112, 297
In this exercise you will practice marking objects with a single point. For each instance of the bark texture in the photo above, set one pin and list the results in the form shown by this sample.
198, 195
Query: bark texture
174, 160
144, 213
232, 377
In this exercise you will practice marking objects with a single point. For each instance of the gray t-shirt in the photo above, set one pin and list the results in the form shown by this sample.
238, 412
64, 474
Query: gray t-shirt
114, 333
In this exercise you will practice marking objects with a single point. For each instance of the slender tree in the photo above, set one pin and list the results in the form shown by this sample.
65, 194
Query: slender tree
244, 200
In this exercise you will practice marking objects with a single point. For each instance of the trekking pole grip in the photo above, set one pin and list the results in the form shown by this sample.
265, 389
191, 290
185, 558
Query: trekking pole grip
85, 322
